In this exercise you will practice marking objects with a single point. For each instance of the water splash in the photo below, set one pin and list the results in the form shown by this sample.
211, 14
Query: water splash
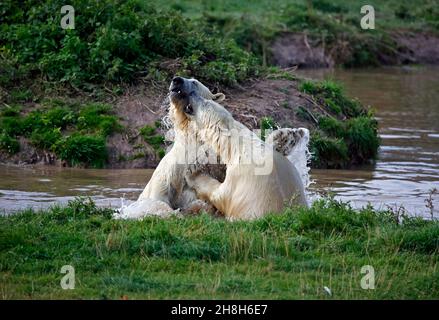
300, 157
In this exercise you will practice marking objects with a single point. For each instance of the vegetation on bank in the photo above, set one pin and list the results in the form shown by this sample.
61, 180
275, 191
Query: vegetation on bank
76, 133
113, 41
218, 42
334, 24
291, 255
346, 133
149, 133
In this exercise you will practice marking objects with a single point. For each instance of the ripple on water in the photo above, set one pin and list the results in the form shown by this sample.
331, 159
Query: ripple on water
408, 164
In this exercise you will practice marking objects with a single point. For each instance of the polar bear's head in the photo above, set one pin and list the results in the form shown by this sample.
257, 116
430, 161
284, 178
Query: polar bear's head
193, 110
206, 121
190, 93
183, 85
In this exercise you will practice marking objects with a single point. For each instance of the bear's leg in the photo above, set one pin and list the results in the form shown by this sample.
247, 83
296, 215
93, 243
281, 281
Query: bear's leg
202, 184
198, 206
207, 188
286, 139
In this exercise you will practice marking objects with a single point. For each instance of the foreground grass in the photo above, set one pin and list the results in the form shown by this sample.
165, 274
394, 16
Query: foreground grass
292, 255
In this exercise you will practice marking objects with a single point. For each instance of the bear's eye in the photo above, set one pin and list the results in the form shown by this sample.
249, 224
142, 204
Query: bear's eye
188, 109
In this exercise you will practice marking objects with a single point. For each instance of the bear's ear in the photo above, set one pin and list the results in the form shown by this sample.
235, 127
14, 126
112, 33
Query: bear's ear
218, 97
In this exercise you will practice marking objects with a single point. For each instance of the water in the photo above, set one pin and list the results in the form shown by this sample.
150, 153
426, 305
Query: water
41, 186
406, 101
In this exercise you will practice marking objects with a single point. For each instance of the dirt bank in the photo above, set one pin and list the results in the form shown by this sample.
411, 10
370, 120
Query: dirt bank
400, 47
146, 104
278, 99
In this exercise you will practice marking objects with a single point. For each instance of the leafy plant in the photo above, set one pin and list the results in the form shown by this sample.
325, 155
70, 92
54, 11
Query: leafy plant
116, 41
97, 117
155, 140
9, 144
266, 123
327, 151
46, 139
362, 138
86, 150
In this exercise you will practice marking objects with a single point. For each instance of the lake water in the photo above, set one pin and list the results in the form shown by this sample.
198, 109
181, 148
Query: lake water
406, 101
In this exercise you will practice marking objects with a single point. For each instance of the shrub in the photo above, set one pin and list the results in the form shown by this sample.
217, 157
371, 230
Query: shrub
127, 39
147, 131
327, 151
108, 125
21, 95
42, 121
86, 150
155, 140
32, 122
362, 138
327, 6
266, 123
333, 107
332, 93
9, 144
332, 127
161, 152
58, 117
46, 139
11, 126
13, 111
96, 117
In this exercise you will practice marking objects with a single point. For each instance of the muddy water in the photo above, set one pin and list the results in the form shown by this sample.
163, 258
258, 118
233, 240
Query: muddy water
407, 106
406, 101
40, 187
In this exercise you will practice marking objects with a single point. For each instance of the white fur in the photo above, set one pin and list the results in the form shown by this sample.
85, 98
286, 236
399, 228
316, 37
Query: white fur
167, 191
293, 144
244, 194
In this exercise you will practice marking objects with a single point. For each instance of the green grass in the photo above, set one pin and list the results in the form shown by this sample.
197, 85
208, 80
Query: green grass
328, 152
347, 134
254, 24
76, 133
291, 255
82, 150
156, 141
266, 123
113, 41
219, 43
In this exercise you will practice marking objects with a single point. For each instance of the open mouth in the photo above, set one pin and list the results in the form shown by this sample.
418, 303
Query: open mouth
176, 90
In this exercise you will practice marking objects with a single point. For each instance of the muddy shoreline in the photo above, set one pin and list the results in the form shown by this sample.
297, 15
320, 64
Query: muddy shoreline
298, 49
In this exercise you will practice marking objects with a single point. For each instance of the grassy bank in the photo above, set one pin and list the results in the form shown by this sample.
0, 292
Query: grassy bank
75, 133
292, 255
333, 24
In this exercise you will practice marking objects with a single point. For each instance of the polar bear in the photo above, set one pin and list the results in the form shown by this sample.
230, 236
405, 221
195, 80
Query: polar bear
246, 193
166, 192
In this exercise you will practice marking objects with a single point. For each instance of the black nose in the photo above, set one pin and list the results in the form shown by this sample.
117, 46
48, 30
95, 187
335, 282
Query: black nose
177, 81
